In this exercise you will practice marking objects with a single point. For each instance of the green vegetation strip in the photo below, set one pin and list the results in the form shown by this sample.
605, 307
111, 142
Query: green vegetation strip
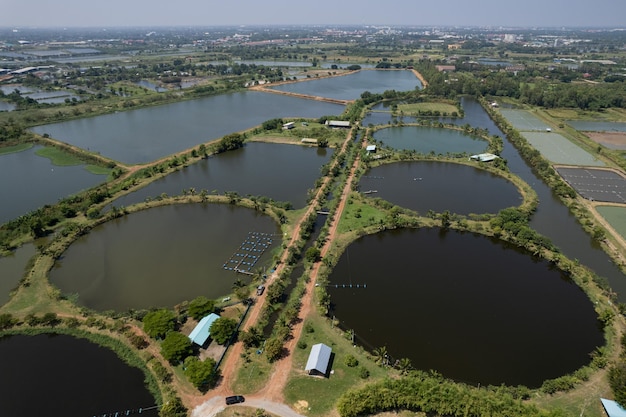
14, 149
435, 396
58, 156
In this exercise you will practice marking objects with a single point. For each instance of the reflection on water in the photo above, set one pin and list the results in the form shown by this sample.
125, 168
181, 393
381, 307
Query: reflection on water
161, 256
474, 309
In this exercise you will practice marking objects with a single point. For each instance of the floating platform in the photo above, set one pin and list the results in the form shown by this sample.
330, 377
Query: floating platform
248, 253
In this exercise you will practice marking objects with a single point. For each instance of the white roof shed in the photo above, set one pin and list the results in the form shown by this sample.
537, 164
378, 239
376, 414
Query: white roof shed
318, 361
202, 331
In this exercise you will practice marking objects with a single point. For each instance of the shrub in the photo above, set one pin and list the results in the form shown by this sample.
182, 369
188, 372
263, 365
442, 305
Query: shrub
351, 361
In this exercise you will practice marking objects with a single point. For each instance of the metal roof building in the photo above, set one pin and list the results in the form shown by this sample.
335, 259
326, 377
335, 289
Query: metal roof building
484, 157
337, 123
318, 361
201, 333
612, 408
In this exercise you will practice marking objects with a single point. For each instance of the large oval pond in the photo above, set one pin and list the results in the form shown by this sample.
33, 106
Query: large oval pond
476, 310
143, 135
35, 181
351, 86
255, 169
430, 139
165, 255
440, 186
59, 375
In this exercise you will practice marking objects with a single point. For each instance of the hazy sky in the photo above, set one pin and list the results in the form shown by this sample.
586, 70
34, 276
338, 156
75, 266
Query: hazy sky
81, 13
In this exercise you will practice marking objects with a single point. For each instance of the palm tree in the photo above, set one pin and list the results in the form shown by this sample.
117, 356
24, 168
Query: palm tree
404, 365
381, 355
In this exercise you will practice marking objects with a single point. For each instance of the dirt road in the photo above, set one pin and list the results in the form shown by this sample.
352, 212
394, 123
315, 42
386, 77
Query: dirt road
271, 397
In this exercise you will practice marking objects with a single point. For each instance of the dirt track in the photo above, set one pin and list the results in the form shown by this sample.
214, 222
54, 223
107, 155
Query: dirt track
272, 394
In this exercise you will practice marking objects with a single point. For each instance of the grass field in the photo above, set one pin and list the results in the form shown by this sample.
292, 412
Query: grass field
14, 149
357, 216
314, 396
615, 216
425, 107
58, 156
609, 115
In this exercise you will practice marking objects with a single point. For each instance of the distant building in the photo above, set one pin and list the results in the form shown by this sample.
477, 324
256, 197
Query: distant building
319, 359
371, 148
484, 157
338, 123
200, 334
289, 125
445, 68
309, 141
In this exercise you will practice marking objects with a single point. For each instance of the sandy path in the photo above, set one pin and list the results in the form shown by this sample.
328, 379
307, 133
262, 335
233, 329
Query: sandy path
211, 403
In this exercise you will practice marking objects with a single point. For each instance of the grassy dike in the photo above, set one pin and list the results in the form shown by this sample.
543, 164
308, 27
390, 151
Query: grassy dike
570, 393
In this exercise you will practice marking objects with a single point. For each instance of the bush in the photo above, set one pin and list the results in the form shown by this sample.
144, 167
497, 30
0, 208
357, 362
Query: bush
302, 344
351, 361
364, 373
158, 323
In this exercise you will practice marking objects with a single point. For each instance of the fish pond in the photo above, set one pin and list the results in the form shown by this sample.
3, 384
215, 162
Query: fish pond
36, 181
427, 140
165, 255
143, 135
422, 186
474, 309
351, 86
255, 169
59, 375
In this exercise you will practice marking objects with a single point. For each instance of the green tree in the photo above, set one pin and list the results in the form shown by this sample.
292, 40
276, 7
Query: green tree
617, 380
381, 355
273, 349
200, 307
251, 338
201, 374
404, 365
173, 407
7, 321
445, 219
176, 347
158, 323
222, 329
312, 254
50, 319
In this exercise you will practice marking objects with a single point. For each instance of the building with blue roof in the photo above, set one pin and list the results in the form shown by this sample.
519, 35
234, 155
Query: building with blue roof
202, 331
612, 408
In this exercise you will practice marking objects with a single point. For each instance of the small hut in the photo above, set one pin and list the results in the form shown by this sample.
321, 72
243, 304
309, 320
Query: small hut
319, 359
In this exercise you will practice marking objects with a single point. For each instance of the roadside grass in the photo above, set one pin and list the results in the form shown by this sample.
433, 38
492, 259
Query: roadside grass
14, 149
253, 374
243, 411
58, 156
582, 401
609, 115
35, 295
428, 107
316, 396
358, 215
98, 170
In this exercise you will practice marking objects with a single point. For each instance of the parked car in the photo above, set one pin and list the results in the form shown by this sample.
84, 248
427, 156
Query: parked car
260, 289
234, 399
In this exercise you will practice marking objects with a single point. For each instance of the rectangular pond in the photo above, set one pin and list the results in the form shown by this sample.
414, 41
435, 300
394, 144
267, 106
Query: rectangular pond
559, 150
351, 86
143, 135
31, 181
